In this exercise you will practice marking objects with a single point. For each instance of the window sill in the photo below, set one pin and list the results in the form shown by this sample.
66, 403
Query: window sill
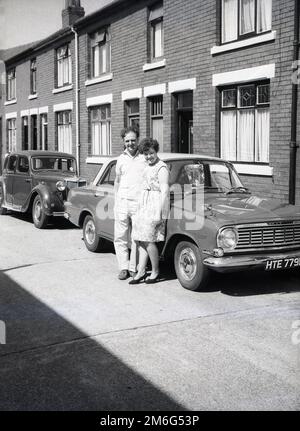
32, 96
243, 43
10, 102
62, 89
154, 65
253, 169
103, 78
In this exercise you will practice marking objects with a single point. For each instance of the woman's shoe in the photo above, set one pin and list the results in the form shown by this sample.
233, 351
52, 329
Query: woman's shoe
138, 280
152, 280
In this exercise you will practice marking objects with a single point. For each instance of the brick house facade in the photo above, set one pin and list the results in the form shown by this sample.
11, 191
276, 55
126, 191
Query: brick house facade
185, 84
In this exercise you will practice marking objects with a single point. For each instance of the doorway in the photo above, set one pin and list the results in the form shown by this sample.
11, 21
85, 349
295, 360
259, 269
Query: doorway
184, 121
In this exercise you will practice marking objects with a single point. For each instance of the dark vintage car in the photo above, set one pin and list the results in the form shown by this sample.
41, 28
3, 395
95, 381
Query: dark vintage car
37, 181
215, 223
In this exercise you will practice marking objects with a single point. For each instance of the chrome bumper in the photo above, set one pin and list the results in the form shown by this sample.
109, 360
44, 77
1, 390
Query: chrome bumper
238, 263
58, 213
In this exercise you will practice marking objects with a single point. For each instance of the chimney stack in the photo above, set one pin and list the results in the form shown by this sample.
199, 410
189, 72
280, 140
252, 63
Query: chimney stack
72, 12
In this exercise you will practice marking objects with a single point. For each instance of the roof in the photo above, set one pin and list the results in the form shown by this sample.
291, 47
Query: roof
169, 156
31, 153
5, 54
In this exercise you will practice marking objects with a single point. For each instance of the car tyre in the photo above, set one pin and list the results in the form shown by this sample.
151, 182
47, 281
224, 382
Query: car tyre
39, 217
91, 239
189, 267
3, 211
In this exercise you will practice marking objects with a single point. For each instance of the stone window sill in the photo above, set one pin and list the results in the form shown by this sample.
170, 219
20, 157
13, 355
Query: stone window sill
218, 49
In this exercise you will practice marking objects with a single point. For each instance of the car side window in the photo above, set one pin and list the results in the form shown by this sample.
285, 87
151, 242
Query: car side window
110, 175
12, 163
23, 164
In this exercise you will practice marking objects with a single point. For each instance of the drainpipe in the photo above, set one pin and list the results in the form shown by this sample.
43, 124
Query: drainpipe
77, 90
293, 141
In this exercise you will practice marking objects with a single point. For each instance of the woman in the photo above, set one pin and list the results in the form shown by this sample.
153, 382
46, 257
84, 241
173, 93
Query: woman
150, 219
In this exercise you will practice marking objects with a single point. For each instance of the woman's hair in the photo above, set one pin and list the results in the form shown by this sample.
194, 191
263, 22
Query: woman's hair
128, 129
147, 143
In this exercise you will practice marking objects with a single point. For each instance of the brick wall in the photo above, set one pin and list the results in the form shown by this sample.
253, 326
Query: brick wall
191, 29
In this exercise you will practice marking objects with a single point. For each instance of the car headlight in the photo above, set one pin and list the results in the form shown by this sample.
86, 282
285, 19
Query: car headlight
61, 186
227, 238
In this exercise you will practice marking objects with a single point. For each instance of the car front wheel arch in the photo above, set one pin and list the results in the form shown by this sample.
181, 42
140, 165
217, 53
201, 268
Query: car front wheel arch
190, 270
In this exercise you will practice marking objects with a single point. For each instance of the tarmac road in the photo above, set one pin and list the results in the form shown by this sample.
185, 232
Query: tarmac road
77, 338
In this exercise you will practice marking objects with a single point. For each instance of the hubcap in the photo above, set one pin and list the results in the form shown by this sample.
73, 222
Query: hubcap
38, 210
90, 232
187, 264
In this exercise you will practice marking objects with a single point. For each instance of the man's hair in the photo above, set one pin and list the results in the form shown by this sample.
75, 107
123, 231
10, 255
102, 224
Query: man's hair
147, 143
128, 129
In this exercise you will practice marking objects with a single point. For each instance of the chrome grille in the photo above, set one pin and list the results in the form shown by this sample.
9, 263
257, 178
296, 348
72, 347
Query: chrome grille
266, 235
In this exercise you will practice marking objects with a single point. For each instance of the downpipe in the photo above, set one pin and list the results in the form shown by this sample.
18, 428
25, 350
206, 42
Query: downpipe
293, 141
77, 90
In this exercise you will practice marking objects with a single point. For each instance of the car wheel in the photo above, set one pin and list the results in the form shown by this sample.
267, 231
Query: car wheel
91, 239
39, 217
3, 211
190, 271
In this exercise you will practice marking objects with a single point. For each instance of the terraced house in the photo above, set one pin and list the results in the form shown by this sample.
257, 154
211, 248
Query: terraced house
217, 77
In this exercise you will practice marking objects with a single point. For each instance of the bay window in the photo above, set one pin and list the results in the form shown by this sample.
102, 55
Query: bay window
101, 130
245, 18
245, 122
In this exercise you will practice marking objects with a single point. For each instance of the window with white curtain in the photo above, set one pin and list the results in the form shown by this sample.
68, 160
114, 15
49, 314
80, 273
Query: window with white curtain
100, 52
156, 30
64, 131
245, 18
101, 130
156, 119
245, 123
64, 66
11, 135
33, 76
11, 84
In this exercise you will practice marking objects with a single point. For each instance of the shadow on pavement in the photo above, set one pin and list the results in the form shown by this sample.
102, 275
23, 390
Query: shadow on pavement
49, 364
54, 222
245, 283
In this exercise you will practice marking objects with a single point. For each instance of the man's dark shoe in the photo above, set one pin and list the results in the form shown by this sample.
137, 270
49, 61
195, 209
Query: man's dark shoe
123, 275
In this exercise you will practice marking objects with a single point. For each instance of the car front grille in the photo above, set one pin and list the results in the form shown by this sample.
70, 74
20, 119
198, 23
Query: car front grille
265, 235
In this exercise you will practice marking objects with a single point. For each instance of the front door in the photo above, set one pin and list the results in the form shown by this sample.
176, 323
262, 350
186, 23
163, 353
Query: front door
185, 132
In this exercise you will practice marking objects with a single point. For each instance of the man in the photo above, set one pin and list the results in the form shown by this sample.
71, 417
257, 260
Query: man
129, 171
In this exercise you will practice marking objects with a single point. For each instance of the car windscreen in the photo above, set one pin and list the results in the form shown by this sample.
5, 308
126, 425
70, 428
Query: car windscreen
47, 163
213, 174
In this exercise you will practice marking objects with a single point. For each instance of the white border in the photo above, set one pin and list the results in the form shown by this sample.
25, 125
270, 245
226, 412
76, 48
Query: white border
99, 100
67, 106
25, 112
155, 65
10, 115
244, 75
34, 111
103, 78
136, 93
182, 85
10, 102
153, 90
32, 96
250, 169
243, 43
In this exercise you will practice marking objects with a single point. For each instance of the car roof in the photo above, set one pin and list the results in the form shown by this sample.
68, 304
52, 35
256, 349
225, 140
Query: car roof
163, 156
32, 153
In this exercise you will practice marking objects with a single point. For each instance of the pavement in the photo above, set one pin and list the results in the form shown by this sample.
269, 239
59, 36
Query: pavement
77, 338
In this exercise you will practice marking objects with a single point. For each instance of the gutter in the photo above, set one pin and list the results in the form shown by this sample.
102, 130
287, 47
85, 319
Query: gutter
295, 78
77, 90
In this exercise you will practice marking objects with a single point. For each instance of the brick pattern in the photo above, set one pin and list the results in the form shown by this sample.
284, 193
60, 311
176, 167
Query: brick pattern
191, 29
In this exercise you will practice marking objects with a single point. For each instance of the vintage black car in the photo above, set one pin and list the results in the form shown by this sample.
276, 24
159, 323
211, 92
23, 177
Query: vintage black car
38, 181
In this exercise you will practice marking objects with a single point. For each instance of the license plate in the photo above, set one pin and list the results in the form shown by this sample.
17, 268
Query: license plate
273, 264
